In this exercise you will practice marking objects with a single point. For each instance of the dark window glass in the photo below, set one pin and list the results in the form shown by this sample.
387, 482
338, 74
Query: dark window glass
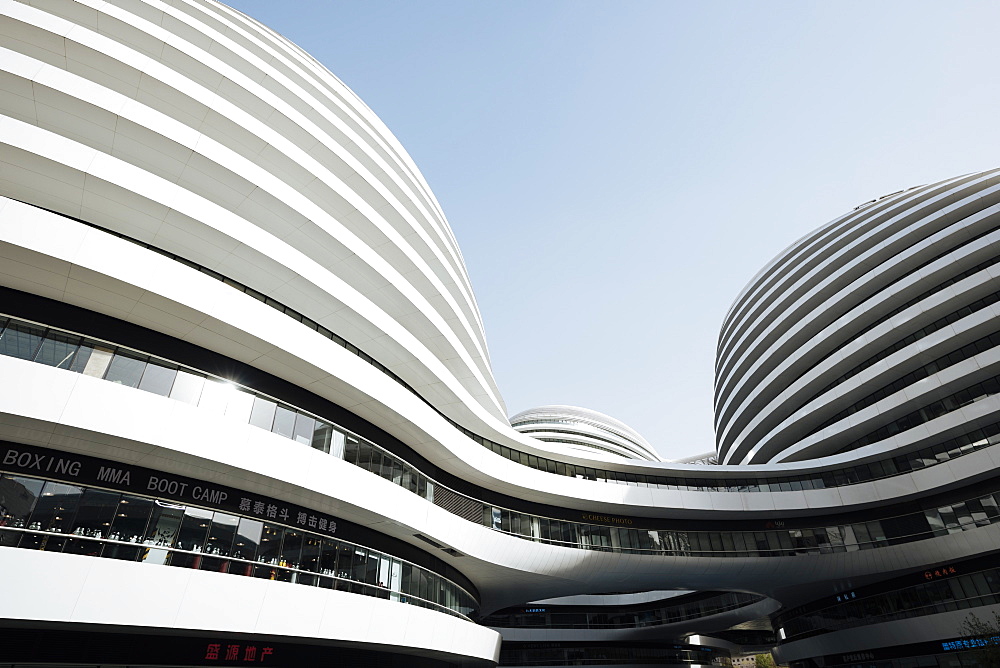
270, 544
248, 537
58, 350
291, 548
351, 450
96, 513
221, 534
284, 421
364, 456
322, 436
21, 340
56, 507
130, 525
17, 499
262, 414
194, 529
164, 524
126, 369
312, 547
158, 378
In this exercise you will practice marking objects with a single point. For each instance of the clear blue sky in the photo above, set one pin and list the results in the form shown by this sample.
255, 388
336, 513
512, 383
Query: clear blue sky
616, 172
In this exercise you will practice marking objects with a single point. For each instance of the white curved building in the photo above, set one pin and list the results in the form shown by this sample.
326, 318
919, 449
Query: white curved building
865, 329
584, 430
248, 414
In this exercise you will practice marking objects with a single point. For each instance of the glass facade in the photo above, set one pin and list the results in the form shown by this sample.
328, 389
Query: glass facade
53, 516
597, 654
959, 592
55, 347
623, 617
142, 371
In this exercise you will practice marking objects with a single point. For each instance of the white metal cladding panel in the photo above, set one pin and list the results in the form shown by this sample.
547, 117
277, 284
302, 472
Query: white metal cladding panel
54, 587
778, 370
184, 104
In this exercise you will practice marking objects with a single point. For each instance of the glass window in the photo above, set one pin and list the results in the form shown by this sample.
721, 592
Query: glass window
304, 428
187, 387
221, 534
58, 350
359, 566
240, 405
131, 519
247, 539
215, 395
158, 378
126, 368
364, 455
161, 533
17, 499
284, 421
96, 513
194, 529
351, 450
82, 358
291, 549
328, 439
328, 557
312, 547
263, 413
21, 340
270, 544
56, 507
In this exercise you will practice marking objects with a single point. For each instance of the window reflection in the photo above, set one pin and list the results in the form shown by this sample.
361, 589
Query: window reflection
55, 516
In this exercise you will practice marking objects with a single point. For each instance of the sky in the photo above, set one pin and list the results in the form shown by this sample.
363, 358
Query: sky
616, 172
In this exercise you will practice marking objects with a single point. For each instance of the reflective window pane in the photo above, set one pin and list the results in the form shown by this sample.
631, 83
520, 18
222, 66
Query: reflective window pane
56, 507
247, 538
291, 549
221, 534
303, 430
240, 406
194, 529
187, 387
126, 368
131, 519
284, 421
58, 350
96, 513
158, 378
262, 414
215, 395
17, 499
98, 358
20, 340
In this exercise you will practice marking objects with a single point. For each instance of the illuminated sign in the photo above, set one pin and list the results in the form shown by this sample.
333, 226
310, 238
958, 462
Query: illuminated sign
242, 653
942, 572
970, 643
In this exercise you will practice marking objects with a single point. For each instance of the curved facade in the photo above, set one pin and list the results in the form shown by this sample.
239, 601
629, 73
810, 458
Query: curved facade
876, 324
584, 430
244, 369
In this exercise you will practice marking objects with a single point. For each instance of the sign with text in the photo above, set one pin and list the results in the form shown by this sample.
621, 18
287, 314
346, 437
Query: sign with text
41, 462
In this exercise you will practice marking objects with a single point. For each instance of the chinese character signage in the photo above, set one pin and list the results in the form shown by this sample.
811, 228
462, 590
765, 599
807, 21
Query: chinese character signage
222, 653
42, 462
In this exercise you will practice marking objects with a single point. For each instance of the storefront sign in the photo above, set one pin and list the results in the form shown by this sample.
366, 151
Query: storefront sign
30, 460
